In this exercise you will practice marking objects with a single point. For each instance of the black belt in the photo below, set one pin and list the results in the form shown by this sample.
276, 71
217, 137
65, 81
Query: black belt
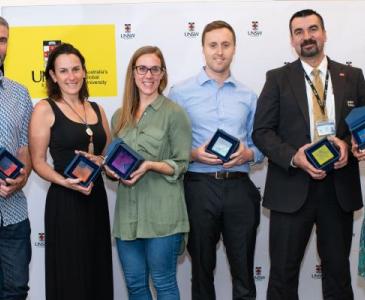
219, 175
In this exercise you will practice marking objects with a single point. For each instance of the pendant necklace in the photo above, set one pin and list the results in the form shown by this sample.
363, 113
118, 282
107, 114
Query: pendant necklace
88, 130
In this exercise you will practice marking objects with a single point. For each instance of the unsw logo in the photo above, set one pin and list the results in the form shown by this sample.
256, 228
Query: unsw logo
41, 240
191, 33
38, 76
254, 32
127, 35
318, 272
258, 274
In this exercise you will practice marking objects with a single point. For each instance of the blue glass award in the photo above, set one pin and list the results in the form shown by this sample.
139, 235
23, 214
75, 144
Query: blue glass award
82, 168
9, 165
122, 159
322, 155
356, 123
223, 145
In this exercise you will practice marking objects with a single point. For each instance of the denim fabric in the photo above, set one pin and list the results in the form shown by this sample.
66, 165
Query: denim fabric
15, 254
155, 257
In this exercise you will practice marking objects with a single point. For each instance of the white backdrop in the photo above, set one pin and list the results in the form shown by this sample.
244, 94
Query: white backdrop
258, 50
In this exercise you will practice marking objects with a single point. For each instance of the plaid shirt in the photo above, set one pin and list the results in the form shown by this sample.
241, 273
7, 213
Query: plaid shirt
15, 111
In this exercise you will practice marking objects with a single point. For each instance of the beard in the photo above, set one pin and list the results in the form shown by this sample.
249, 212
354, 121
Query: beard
309, 52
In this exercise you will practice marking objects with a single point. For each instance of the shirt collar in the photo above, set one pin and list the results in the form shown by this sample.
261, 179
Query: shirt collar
156, 104
322, 66
203, 78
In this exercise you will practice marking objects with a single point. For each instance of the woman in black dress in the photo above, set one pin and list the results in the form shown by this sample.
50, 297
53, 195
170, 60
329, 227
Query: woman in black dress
77, 228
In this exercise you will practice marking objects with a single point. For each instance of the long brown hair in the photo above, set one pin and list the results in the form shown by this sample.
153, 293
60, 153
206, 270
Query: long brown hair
131, 93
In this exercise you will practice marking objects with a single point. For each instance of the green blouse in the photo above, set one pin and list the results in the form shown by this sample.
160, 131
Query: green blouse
155, 205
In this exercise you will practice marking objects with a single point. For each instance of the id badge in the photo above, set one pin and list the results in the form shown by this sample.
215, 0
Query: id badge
325, 128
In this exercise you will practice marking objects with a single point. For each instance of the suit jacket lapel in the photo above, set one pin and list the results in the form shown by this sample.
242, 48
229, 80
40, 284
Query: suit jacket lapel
338, 78
297, 83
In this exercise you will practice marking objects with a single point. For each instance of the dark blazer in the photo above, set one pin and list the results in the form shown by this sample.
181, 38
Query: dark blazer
282, 126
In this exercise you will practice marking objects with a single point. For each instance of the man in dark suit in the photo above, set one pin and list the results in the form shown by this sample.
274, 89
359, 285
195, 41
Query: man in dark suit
298, 194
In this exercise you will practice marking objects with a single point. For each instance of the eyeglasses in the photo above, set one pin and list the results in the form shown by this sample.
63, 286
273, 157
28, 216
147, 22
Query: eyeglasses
143, 70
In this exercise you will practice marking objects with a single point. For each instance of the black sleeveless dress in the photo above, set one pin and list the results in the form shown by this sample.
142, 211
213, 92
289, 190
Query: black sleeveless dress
78, 241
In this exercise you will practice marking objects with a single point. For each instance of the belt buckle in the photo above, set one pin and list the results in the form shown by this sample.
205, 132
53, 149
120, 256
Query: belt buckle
220, 175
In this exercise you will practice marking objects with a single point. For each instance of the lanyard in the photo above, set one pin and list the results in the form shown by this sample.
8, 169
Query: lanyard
321, 102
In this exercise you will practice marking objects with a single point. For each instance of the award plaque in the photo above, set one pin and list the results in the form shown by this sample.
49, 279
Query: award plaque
359, 135
223, 145
122, 159
9, 165
356, 123
322, 155
82, 168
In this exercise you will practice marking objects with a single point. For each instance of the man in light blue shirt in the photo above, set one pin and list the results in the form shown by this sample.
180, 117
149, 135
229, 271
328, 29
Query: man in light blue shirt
221, 198
15, 248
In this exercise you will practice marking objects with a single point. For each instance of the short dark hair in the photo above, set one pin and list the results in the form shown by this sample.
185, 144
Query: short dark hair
218, 25
3, 22
306, 13
53, 90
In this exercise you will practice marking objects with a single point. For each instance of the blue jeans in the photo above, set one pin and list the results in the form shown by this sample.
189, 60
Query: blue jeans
15, 254
153, 256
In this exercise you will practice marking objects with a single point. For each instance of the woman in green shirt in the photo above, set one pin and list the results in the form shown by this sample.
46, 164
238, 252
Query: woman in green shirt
150, 216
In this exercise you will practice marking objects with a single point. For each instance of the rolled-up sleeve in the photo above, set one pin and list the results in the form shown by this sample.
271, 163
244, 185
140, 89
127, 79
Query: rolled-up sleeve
180, 140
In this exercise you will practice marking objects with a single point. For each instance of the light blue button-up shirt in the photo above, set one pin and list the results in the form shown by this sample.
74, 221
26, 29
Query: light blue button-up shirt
15, 112
230, 107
